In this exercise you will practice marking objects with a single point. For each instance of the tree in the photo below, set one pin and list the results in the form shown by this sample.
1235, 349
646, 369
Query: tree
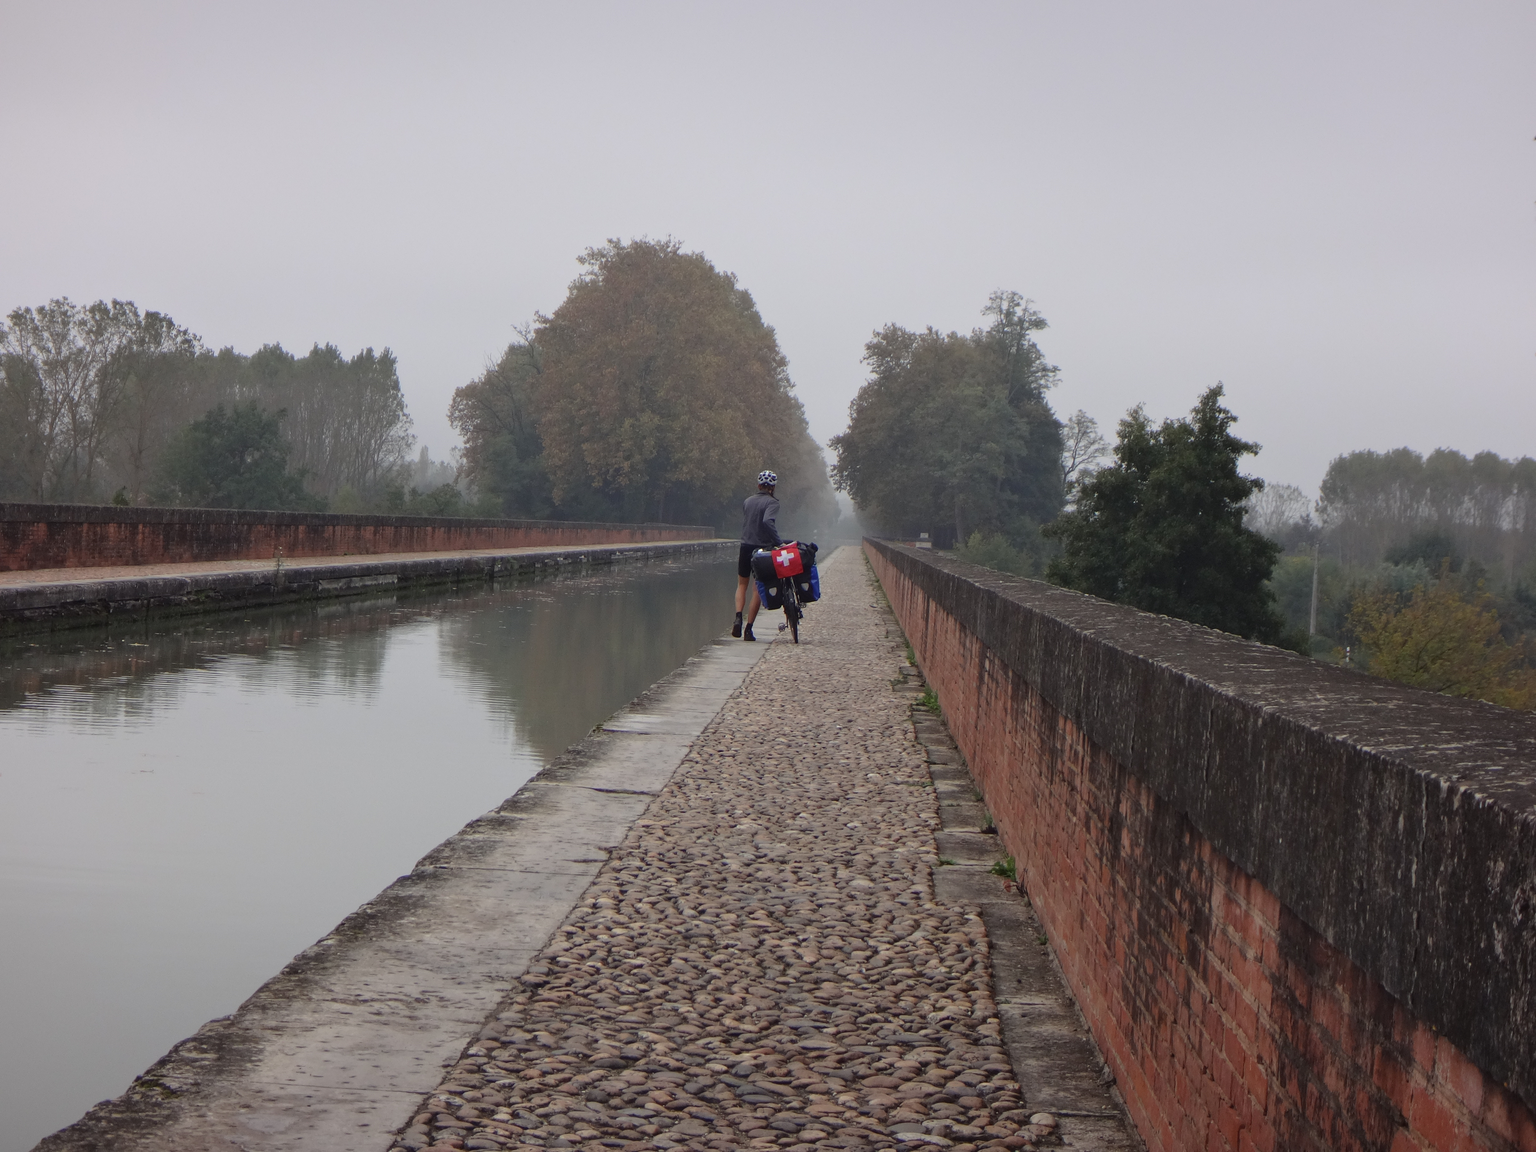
160, 383
997, 553
1083, 447
953, 432
1445, 641
63, 369
1276, 509
1431, 546
347, 419
660, 392
1162, 527
1373, 501
503, 453
235, 458
90, 398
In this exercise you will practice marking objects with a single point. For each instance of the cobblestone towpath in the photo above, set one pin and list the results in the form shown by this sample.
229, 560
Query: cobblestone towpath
763, 962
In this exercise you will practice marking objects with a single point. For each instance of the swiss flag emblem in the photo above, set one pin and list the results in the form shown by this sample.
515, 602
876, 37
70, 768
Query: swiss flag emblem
786, 561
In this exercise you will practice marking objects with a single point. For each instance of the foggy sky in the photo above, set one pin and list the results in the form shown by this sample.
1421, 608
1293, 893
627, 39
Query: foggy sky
1329, 207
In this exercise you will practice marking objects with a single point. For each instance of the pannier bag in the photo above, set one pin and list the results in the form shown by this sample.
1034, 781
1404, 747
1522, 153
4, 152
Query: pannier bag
769, 566
770, 594
762, 566
808, 585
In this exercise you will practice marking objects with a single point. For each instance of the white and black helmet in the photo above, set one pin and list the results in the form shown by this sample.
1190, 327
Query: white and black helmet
766, 479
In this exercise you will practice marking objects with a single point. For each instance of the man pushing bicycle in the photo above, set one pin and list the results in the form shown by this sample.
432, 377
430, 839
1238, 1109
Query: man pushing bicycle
758, 530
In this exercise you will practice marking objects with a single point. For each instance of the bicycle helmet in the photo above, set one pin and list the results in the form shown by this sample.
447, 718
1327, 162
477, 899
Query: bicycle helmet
766, 479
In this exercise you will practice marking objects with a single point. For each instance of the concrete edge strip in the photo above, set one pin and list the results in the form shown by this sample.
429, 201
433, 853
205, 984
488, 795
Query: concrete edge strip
334, 1051
88, 600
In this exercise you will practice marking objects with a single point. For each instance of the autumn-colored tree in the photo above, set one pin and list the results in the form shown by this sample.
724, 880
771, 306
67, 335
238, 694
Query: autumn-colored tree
660, 392
1445, 640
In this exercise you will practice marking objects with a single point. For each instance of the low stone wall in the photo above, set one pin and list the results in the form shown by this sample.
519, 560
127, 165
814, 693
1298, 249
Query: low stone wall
34, 536
1297, 904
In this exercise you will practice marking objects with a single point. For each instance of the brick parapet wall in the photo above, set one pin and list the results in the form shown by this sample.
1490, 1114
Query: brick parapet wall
1297, 905
37, 536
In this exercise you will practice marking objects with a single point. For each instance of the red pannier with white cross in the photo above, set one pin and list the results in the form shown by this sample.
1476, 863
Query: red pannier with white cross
787, 561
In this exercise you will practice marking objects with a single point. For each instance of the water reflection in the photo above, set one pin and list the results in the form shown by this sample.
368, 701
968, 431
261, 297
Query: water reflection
539, 667
37, 673
182, 808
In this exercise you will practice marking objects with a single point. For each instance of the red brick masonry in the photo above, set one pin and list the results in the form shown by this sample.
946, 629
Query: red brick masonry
34, 536
1129, 760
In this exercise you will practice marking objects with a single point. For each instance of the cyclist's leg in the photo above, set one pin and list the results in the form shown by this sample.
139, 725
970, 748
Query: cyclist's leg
743, 575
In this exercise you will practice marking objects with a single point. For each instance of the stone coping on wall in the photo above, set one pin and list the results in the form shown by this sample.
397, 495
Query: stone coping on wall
119, 514
39, 536
1399, 824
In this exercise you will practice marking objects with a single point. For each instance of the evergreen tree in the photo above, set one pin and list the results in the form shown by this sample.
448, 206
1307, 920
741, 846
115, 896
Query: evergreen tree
1162, 527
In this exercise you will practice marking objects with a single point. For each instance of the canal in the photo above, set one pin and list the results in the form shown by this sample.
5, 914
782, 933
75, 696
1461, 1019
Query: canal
186, 805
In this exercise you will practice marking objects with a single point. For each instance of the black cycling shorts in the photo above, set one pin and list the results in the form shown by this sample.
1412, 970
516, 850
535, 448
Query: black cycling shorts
744, 561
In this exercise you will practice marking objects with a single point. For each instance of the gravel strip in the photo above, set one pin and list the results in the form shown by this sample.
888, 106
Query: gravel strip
762, 963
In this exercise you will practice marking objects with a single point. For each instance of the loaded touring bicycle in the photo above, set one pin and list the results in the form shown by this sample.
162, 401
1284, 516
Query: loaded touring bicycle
787, 578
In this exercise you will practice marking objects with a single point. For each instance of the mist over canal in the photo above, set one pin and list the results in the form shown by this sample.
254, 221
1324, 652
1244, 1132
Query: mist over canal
185, 807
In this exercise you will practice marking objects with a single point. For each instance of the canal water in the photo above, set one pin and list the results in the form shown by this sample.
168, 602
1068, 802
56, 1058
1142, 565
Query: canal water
184, 807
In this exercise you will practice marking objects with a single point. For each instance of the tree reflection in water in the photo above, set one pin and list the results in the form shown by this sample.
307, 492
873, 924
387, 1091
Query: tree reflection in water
185, 804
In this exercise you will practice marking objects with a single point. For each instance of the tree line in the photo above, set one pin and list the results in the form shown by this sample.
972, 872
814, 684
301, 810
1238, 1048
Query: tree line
104, 402
953, 435
1420, 567
655, 391
1416, 568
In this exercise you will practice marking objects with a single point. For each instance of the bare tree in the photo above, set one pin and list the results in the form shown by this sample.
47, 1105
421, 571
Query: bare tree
62, 368
160, 385
347, 419
1275, 508
1082, 449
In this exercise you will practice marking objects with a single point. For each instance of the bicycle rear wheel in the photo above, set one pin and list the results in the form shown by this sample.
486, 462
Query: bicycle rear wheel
792, 610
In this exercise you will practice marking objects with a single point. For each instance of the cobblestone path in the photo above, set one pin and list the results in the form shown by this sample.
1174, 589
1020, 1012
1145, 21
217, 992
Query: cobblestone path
762, 963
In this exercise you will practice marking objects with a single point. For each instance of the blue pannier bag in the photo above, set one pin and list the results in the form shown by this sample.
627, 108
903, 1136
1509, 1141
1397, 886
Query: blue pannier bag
770, 596
808, 586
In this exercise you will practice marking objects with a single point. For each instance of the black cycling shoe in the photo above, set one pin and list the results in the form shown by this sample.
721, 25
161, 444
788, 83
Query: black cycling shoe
736, 627
747, 633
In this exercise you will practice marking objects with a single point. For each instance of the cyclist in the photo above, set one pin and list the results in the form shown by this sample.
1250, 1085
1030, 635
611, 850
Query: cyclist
757, 531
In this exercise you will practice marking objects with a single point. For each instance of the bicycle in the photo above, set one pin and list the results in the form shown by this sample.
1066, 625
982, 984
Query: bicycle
786, 581
793, 613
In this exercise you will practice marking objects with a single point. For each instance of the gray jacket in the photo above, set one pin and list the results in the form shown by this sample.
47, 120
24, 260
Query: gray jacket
758, 527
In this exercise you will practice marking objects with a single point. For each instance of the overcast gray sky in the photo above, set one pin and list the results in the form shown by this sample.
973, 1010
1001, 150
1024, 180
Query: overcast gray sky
1328, 206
